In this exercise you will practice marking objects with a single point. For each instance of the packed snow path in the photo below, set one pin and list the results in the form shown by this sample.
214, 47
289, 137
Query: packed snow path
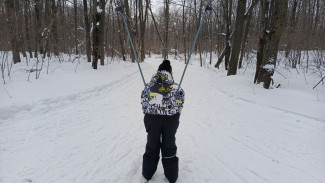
97, 135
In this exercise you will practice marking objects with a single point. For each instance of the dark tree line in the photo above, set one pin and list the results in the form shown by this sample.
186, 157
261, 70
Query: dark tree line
232, 30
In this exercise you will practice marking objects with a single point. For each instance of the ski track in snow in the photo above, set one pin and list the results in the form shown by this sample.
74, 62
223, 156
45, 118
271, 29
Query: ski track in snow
272, 107
98, 136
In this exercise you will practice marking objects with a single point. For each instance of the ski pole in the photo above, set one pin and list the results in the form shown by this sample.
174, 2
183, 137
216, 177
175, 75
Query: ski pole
120, 8
207, 8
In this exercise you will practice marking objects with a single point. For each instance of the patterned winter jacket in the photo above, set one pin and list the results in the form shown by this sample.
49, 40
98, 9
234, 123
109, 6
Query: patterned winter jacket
162, 92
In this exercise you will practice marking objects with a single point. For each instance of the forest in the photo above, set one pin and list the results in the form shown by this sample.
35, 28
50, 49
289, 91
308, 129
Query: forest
85, 85
232, 32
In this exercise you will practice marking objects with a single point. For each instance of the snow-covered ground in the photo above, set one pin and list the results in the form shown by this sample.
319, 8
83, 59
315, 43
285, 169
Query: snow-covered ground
87, 126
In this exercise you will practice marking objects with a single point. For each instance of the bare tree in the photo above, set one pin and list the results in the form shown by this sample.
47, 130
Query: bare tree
247, 20
227, 14
12, 7
27, 28
38, 27
166, 21
143, 20
183, 31
87, 30
75, 12
120, 34
238, 35
291, 27
55, 39
274, 20
96, 36
128, 15
101, 11
52, 26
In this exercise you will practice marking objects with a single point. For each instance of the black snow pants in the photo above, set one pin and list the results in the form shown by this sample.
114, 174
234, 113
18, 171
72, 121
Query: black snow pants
161, 131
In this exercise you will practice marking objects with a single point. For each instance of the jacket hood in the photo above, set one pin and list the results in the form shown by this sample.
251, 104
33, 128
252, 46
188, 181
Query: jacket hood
162, 77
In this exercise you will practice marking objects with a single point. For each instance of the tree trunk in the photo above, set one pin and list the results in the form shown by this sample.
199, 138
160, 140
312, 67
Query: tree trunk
20, 27
55, 29
12, 7
75, 12
38, 26
102, 4
128, 15
121, 39
222, 55
48, 23
276, 15
291, 28
184, 35
143, 19
96, 20
165, 52
261, 41
62, 47
228, 14
248, 17
199, 42
210, 37
87, 27
238, 35
244, 42
27, 24
315, 24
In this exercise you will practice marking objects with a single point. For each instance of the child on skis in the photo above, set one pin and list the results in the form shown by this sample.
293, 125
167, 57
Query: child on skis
162, 106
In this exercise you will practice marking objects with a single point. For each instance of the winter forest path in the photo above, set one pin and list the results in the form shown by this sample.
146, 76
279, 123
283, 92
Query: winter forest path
98, 136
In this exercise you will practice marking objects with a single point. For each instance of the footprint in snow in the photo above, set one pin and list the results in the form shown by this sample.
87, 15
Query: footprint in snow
29, 180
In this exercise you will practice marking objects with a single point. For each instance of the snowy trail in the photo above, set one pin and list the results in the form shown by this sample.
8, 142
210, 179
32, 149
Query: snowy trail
251, 147
98, 136
63, 140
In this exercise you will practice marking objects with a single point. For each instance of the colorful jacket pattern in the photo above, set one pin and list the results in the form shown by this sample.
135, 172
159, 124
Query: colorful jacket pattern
162, 94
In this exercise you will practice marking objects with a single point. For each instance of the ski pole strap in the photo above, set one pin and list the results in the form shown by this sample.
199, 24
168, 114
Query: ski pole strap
207, 8
120, 9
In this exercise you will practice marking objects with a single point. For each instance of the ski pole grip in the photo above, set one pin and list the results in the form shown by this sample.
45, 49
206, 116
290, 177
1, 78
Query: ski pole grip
120, 8
208, 8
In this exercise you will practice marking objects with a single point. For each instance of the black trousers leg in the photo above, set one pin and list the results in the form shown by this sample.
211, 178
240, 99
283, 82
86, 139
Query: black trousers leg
169, 148
161, 128
151, 156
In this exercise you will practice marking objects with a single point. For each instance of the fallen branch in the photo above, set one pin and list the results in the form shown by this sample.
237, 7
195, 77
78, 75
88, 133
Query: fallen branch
32, 70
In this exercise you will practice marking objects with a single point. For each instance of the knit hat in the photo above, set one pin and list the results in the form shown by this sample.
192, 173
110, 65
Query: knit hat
165, 65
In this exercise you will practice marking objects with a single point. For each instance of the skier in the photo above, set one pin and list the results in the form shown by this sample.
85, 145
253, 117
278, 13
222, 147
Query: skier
162, 106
